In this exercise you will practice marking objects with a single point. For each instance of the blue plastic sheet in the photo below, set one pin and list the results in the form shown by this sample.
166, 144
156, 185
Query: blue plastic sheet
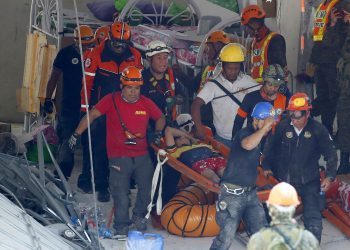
145, 241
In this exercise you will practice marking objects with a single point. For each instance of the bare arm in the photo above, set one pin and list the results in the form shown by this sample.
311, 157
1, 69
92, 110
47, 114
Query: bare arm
171, 133
196, 116
252, 141
52, 83
93, 114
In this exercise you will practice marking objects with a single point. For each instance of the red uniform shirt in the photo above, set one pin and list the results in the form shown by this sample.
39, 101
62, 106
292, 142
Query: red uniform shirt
135, 117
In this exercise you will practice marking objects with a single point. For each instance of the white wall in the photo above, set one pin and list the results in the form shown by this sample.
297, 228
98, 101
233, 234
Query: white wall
14, 16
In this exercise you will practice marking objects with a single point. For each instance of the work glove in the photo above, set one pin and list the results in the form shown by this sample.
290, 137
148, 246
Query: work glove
48, 106
72, 141
157, 137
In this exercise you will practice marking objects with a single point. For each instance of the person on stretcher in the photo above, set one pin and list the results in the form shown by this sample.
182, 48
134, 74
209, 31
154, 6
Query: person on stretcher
199, 156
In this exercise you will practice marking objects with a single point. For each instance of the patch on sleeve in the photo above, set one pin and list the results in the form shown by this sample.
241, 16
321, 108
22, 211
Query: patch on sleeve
87, 63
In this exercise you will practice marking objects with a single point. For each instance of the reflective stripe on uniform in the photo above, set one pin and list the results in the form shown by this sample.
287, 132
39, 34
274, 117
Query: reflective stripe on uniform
89, 74
259, 57
321, 19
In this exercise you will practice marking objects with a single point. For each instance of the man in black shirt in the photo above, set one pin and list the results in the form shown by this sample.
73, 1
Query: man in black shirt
237, 199
293, 152
68, 64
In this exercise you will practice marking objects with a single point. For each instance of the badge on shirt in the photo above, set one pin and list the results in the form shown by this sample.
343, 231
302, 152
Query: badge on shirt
307, 134
75, 60
87, 62
289, 135
222, 205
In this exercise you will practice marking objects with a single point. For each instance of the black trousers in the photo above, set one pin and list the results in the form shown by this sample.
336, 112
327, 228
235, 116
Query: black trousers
67, 123
99, 154
327, 91
311, 199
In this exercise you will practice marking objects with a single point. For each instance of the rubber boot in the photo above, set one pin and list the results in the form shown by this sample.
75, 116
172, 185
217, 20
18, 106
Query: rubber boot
344, 166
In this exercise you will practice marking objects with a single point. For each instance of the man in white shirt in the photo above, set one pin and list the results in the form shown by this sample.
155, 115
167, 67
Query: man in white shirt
225, 105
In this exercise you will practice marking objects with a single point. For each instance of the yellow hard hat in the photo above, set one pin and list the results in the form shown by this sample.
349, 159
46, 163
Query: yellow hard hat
232, 52
283, 194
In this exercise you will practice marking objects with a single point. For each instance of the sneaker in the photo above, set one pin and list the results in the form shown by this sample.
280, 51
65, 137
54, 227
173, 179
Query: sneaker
103, 196
120, 233
139, 223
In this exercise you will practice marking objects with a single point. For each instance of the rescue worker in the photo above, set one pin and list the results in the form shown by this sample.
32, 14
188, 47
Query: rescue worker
160, 83
283, 232
102, 69
237, 198
214, 43
273, 77
329, 33
220, 92
293, 152
343, 105
128, 114
68, 64
267, 48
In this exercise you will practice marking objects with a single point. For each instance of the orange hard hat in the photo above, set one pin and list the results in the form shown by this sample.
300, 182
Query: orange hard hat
132, 76
120, 30
218, 36
86, 34
299, 101
102, 33
252, 11
283, 194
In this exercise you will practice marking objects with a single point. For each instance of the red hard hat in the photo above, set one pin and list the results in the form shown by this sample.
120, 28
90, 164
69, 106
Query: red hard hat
252, 11
132, 76
120, 30
299, 101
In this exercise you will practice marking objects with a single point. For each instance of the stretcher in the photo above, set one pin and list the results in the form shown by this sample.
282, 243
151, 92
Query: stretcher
192, 211
333, 212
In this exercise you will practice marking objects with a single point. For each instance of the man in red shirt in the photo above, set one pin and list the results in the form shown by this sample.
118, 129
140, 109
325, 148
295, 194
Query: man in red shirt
103, 68
127, 117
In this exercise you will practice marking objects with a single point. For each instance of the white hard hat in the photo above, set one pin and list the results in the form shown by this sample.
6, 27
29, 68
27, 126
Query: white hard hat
185, 123
156, 47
